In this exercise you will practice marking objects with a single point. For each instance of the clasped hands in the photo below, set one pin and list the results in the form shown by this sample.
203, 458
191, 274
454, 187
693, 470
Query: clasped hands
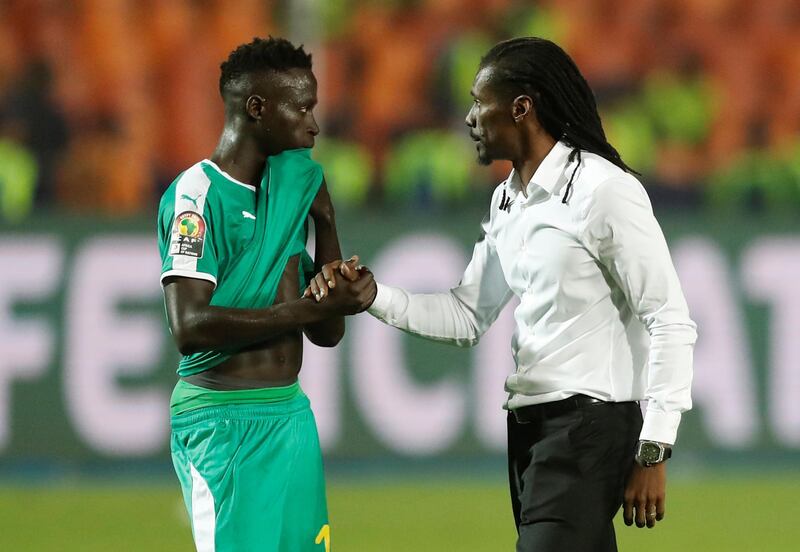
345, 287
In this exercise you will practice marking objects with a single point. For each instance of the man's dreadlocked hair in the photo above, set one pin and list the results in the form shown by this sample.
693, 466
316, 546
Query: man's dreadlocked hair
261, 55
562, 98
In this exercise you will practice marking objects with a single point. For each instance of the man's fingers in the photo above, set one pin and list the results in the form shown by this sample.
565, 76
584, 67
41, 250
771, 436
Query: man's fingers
322, 284
348, 272
312, 285
651, 515
627, 513
641, 518
307, 292
349, 268
328, 272
661, 508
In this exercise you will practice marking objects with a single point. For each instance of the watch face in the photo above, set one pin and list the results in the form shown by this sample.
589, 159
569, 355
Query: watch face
649, 453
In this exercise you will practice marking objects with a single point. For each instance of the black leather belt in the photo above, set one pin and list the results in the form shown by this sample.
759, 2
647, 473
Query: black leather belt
537, 412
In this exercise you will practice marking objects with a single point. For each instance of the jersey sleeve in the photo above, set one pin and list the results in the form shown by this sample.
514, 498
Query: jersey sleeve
186, 231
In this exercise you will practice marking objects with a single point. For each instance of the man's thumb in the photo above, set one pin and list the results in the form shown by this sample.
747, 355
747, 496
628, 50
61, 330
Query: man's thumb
348, 272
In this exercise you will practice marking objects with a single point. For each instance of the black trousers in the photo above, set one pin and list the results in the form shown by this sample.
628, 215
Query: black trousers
567, 470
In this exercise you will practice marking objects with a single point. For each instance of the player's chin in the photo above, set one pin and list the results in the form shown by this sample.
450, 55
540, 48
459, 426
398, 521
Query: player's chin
301, 143
484, 158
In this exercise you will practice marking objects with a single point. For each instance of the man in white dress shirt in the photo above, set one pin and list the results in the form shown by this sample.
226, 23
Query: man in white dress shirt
602, 321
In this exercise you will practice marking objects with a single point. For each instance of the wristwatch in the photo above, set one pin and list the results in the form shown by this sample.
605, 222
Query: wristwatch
650, 453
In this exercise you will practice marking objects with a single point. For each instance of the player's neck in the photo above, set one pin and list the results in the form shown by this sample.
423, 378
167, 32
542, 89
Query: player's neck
239, 157
534, 153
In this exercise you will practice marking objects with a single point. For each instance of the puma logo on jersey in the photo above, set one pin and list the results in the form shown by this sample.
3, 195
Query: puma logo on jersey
245, 214
192, 199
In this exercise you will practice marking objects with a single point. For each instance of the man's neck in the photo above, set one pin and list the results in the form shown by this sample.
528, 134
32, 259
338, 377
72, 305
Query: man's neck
535, 152
239, 156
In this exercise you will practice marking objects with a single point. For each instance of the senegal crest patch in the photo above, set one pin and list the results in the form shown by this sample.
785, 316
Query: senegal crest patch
188, 235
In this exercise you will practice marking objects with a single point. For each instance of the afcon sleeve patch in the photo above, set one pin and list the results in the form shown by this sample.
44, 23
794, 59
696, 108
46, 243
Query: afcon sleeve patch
188, 235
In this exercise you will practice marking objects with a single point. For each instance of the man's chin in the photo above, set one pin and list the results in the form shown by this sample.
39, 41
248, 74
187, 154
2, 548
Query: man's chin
483, 157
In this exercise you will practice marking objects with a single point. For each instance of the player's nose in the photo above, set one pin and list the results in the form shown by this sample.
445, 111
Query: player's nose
470, 118
313, 129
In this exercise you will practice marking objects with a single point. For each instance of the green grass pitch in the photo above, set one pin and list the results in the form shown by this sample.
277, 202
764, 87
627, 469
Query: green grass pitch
726, 514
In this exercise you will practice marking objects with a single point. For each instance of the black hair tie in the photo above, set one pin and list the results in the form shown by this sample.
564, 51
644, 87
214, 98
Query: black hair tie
575, 153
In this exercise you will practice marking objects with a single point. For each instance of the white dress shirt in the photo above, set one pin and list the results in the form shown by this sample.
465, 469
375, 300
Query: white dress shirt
601, 310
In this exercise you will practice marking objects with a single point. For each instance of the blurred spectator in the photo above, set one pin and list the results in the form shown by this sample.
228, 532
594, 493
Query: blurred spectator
688, 89
455, 73
100, 173
764, 180
429, 168
39, 125
349, 171
18, 172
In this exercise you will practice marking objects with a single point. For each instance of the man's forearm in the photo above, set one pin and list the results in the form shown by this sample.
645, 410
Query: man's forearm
434, 316
330, 331
210, 327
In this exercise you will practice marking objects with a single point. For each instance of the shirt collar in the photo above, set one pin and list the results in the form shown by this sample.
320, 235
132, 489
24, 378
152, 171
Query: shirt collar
549, 176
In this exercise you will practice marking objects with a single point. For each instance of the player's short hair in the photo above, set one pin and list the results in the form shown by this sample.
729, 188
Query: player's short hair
262, 55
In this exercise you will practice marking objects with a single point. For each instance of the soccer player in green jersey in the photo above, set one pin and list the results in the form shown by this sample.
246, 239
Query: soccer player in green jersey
232, 236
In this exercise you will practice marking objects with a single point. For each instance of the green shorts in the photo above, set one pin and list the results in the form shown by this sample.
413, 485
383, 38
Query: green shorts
252, 476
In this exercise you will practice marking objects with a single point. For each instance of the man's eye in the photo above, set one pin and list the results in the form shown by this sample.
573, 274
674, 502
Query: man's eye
304, 109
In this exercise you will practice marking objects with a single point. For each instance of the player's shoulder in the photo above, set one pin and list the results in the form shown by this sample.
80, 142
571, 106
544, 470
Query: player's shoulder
190, 191
194, 181
607, 188
600, 179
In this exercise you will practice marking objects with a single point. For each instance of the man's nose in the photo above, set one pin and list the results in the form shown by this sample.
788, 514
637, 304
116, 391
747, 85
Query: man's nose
470, 119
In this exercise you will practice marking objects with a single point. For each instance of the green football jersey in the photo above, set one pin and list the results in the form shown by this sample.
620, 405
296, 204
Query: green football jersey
239, 238
205, 219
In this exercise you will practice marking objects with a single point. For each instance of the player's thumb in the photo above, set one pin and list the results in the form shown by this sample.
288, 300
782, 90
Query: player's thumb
347, 270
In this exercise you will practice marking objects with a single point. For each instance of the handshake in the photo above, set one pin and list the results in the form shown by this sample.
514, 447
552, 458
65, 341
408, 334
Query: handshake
344, 287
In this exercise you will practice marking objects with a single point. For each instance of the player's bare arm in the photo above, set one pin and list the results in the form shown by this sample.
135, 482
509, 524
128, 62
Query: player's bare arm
197, 326
329, 332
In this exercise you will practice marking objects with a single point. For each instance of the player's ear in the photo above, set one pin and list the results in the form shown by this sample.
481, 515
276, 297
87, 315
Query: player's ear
521, 107
255, 106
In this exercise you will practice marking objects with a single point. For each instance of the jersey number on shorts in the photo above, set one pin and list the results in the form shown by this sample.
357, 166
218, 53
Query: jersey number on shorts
324, 534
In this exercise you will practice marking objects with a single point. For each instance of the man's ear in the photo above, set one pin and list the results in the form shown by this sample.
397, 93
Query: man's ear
254, 107
521, 108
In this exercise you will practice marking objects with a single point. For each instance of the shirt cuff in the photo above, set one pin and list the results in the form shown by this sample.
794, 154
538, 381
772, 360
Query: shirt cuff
660, 426
383, 300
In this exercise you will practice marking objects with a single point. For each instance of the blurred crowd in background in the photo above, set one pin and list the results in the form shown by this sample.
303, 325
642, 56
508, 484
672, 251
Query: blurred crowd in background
104, 102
